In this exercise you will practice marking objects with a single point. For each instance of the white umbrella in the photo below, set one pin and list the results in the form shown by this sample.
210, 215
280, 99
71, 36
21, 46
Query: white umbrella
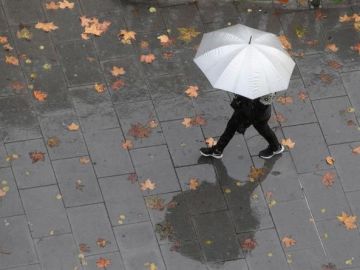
245, 61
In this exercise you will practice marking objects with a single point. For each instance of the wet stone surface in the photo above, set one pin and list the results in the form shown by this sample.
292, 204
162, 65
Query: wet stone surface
73, 167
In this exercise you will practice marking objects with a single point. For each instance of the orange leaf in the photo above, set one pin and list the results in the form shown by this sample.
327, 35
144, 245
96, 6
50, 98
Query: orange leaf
356, 17
127, 144
280, 117
47, 27
167, 55
356, 48
147, 185
328, 179
284, 100
248, 244
302, 95
93, 26
153, 124
210, 142
84, 160
334, 64
40, 95
187, 122
73, 127
126, 36
348, 221
147, 58
288, 241
66, 4
163, 39
7, 47
199, 120
51, 6
3, 39
117, 85
356, 150
193, 184
99, 87
102, 262
84, 248
12, 60
285, 42
139, 131
319, 15
2, 193
255, 173
288, 142
331, 47
192, 91
37, 156
345, 18
117, 71
330, 160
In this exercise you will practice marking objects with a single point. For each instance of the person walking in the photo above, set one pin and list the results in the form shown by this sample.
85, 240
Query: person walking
247, 112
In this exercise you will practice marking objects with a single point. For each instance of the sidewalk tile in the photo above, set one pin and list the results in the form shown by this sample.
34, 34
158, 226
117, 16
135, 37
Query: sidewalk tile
3, 22
94, 7
230, 265
90, 223
354, 201
310, 258
174, 108
27, 173
23, 11
77, 182
261, 18
351, 81
122, 197
213, 10
108, 157
168, 87
116, 262
28, 267
3, 156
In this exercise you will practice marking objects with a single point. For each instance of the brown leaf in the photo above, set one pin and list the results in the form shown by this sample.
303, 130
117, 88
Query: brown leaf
147, 58
328, 179
285, 42
132, 177
167, 55
329, 266
127, 144
280, 118
2, 193
103, 263
139, 131
356, 47
11, 60
193, 184
92, 26
288, 142
345, 18
46, 27
334, 64
24, 33
288, 241
40, 95
147, 185
66, 4
84, 160
155, 202
144, 44
84, 248
255, 173
99, 87
248, 244
319, 15
51, 6
126, 37
356, 150
326, 78
284, 100
192, 91
53, 142
199, 120
331, 47
117, 85
164, 39
330, 160
302, 95
102, 242
37, 156
348, 221
73, 127
7, 47
312, 43
153, 124
117, 71
3, 40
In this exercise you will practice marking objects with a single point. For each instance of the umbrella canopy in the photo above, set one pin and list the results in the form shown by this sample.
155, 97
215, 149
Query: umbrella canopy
245, 61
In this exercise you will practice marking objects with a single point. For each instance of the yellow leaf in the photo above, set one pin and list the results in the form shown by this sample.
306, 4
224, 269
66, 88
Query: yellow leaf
187, 122
163, 39
330, 160
47, 27
285, 42
288, 241
345, 18
73, 127
152, 9
99, 87
187, 34
194, 183
12, 60
348, 221
151, 266
147, 185
288, 142
331, 47
117, 71
300, 31
127, 36
147, 58
256, 173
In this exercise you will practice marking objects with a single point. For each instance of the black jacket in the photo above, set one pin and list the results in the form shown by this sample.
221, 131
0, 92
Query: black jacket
251, 109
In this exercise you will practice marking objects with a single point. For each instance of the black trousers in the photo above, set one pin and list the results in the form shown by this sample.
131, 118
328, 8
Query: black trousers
238, 122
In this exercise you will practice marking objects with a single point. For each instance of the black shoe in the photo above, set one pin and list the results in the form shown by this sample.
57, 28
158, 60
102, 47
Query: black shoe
211, 152
269, 152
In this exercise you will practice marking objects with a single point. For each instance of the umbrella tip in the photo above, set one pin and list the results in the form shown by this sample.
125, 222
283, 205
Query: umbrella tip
250, 39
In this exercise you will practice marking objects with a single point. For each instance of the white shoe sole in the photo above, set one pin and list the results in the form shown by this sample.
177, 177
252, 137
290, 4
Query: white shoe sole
274, 153
206, 155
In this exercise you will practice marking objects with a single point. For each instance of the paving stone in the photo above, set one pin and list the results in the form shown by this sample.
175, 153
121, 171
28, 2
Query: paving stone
10, 205
351, 80
28, 267
281, 179
27, 173
300, 111
45, 212
19, 122
187, 256
184, 143
23, 11
3, 156
164, 177
116, 262
122, 197
216, 10
267, 253
354, 199
3, 22
307, 26
310, 149
311, 68
310, 258
331, 20
17, 241
292, 218
217, 236
174, 108
93, 7
334, 236
135, 86
139, 19
90, 223
138, 246
107, 154
337, 124
77, 58
94, 110
346, 164
215, 108
230, 265
58, 252
325, 202
67, 21
132, 114
209, 187
71, 142
109, 45
77, 182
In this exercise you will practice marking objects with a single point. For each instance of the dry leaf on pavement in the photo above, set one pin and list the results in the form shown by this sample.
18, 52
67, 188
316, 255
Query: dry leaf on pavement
334, 64
153, 124
348, 221
248, 244
101, 242
37, 156
193, 184
92, 26
11, 60
155, 202
199, 120
330, 160
288, 142
210, 142
99, 87
255, 173
326, 78
103, 263
46, 27
187, 33
192, 91
302, 95
126, 37
187, 122
147, 58
2, 193
73, 127
147, 185
345, 18
284, 100
51, 6
139, 131
53, 142
117, 85
288, 241
127, 144
84, 160
66, 4
117, 71
164, 39
328, 179
331, 47
285, 42
3, 40
40, 95
151, 266
356, 47
356, 150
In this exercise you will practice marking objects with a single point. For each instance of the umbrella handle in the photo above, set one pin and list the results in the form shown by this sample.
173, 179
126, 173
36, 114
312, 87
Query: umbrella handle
250, 39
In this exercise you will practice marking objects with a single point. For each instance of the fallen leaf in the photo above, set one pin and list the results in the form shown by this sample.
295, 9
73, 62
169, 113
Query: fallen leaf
139, 131
151, 266
66, 4
193, 184
152, 9
288, 142
126, 37
328, 179
53, 142
164, 39
103, 263
326, 78
7, 47
300, 31
40, 95
24, 33
101, 242
51, 6
99, 87
92, 26
147, 58
255, 173
356, 17
187, 122
17, 85
147, 185
330, 160
73, 127
144, 44
356, 47
2, 193
79, 185
284, 100
37, 156
285, 42
329, 266
117, 85
288, 241
187, 34
84, 160
11, 60
192, 91
348, 221
47, 27
313, 42
210, 142
3, 40
279, 117
167, 55
199, 120
302, 95
345, 18
357, 26
331, 47
319, 15
84, 248
356, 150
334, 64
117, 71
155, 202
248, 244
153, 124
127, 144
132, 177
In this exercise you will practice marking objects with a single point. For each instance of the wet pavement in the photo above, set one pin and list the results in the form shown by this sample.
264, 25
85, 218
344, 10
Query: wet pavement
72, 199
